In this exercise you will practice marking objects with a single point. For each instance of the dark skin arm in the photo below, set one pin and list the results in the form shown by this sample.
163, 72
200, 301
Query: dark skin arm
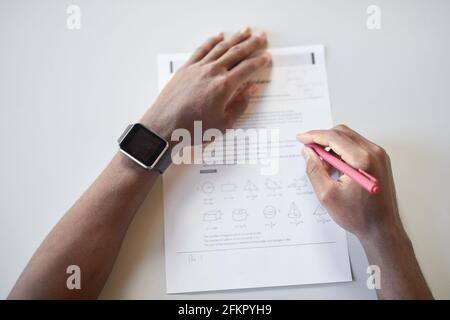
89, 235
211, 87
373, 218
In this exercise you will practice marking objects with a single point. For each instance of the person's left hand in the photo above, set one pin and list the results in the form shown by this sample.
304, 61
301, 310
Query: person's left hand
212, 86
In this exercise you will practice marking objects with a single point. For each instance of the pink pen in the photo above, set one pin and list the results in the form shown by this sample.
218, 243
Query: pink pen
363, 178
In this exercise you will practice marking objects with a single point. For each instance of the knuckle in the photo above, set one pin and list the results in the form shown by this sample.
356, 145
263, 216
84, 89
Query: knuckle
387, 157
222, 84
333, 134
212, 69
311, 168
342, 127
325, 196
222, 46
364, 160
237, 49
248, 47
380, 153
202, 51
249, 66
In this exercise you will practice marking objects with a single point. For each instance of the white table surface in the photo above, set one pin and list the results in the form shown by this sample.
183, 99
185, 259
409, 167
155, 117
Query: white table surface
65, 96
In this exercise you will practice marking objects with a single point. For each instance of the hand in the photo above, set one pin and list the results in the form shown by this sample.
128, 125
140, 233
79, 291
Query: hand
351, 206
212, 86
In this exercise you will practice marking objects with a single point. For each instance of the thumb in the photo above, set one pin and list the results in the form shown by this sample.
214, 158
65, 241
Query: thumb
318, 174
239, 102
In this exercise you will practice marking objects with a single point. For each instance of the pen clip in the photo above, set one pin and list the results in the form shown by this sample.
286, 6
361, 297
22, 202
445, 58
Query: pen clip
368, 176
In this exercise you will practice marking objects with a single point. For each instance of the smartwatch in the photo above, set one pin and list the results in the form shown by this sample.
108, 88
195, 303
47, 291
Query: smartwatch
145, 147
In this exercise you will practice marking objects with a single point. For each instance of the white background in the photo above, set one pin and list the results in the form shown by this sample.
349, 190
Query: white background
65, 96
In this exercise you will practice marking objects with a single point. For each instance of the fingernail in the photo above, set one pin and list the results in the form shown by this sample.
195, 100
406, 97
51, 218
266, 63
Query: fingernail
306, 153
246, 30
262, 35
220, 35
299, 136
268, 57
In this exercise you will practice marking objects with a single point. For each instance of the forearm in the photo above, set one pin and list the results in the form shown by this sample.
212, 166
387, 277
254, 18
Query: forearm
89, 235
393, 253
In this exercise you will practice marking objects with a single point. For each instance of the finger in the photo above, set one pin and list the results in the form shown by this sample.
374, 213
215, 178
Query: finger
328, 167
205, 48
350, 151
224, 46
378, 153
243, 71
320, 179
356, 136
243, 50
239, 102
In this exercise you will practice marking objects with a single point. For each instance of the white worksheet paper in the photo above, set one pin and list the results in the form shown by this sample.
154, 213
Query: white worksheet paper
232, 227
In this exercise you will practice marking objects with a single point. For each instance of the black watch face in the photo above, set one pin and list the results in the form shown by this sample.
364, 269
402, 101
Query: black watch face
143, 145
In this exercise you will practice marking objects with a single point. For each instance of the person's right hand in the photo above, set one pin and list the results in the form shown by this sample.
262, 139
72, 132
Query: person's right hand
351, 206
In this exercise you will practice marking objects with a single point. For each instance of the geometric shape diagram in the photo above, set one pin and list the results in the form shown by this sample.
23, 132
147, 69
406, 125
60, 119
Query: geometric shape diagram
321, 215
294, 211
208, 187
272, 185
320, 211
213, 215
295, 215
228, 187
301, 185
269, 212
250, 186
239, 215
